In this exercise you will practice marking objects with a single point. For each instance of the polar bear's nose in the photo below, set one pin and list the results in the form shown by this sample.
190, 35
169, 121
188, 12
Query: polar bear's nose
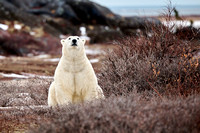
74, 40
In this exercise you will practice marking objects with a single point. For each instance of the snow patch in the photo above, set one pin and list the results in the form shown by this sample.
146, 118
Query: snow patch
180, 23
42, 56
92, 52
17, 26
94, 60
53, 60
30, 75
30, 55
63, 36
84, 34
83, 31
24, 76
3, 26
85, 37
2, 57
13, 75
32, 33
196, 24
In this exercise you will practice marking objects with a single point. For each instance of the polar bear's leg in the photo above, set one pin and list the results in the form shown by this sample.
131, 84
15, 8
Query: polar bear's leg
63, 97
52, 96
89, 96
100, 93
95, 94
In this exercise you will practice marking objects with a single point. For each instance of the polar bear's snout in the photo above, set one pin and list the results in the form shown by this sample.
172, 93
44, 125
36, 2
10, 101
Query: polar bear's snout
74, 42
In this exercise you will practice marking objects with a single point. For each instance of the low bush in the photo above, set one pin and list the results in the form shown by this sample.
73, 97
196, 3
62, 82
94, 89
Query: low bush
24, 92
125, 114
157, 61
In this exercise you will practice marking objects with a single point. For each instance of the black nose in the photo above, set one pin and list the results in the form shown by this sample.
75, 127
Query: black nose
74, 40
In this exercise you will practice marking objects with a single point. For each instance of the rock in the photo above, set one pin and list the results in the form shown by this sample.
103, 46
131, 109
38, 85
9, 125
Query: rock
66, 12
129, 25
10, 12
66, 16
76, 11
137, 22
103, 34
56, 9
132, 32
91, 13
82, 12
12, 44
22, 44
64, 26
106, 36
23, 4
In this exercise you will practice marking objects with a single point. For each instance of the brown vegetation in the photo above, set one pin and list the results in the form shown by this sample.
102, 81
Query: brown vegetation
135, 113
152, 84
127, 114
32, 65
157, 61
24, 93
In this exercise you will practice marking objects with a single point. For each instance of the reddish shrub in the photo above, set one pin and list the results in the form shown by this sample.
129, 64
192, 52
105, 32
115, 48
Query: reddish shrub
126, 114
158, 61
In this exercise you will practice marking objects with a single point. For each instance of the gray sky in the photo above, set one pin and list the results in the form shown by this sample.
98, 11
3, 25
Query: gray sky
146, 2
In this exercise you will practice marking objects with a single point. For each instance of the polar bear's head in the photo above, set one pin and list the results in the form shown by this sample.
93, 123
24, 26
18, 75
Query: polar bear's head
73, 42
72, 45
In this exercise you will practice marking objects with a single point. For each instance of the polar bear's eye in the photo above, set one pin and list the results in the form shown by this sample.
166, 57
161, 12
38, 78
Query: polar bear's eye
69, 38
77, 38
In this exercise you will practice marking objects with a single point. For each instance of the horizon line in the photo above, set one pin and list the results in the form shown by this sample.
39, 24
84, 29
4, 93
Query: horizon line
149, 5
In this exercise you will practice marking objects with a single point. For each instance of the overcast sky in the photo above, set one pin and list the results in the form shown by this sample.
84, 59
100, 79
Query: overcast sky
146, 2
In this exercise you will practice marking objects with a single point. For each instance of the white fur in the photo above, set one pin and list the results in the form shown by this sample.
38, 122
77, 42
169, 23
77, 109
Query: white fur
74, 78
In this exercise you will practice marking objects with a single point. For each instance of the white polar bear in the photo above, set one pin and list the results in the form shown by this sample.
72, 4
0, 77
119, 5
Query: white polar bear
74, 78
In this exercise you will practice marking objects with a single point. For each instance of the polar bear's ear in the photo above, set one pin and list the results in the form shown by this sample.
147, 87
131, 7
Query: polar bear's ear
62, 41
83, 40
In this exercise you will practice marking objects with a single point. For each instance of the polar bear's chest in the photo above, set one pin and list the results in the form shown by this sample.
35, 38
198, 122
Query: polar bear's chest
77, 84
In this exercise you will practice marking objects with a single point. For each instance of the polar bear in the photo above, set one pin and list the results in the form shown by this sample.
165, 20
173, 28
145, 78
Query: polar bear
74, 78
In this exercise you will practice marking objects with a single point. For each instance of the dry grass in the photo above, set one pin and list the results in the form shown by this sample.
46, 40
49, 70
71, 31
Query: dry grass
31, 65
24, 92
